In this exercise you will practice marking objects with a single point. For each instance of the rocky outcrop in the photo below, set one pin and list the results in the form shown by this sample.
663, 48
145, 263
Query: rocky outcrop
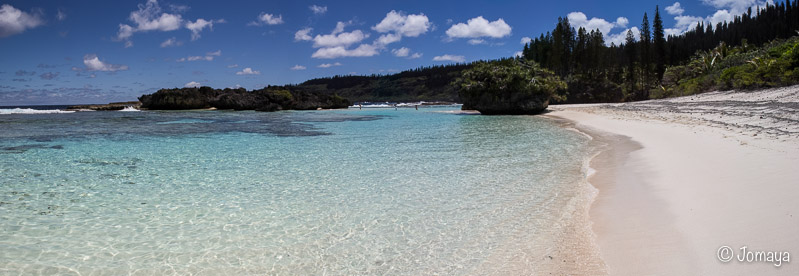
272, 98
510, 105
508, 87
105, 107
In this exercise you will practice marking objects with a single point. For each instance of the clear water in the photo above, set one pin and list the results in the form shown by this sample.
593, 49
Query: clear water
377, 191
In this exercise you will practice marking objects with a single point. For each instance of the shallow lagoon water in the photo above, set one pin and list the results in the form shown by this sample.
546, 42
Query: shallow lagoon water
342, 192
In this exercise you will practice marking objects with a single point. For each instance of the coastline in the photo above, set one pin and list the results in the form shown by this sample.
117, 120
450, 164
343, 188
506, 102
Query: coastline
673, 191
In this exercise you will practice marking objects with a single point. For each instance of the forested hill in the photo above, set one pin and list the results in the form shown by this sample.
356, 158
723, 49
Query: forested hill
421, 84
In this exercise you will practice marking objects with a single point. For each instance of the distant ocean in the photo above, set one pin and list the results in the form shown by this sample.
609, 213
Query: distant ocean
343, 192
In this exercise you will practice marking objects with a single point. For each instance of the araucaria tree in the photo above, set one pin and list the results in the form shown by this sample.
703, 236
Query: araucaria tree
646, 61
659, 45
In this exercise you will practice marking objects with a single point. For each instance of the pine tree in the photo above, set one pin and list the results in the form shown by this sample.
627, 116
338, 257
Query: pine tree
646, 40
660, 47
629, 47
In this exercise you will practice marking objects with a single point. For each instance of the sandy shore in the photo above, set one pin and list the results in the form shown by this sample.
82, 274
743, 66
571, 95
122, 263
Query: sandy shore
683, 177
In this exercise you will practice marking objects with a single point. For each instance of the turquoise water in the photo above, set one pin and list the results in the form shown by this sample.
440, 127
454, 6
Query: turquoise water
344, 192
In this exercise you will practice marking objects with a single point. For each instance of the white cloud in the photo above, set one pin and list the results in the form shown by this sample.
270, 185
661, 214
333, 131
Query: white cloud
400, 25
208, 57
476, 41
525, 40
450, 58
318, 9
233, 66
149, 17
518, 54
93, 63
621, 37
579, 19
303, 35
415, 56
720, 16
192, 84
268, 19
401, 52
339, 39
622, 22
171, 42
61, 15
683, 23
197, 26
14, 21
736, 7
479, 27
388, 39
364, 50
298, 67
675, 9
328, 65
248, 71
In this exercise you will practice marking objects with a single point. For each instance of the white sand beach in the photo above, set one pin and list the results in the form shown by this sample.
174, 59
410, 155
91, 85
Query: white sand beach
683, 177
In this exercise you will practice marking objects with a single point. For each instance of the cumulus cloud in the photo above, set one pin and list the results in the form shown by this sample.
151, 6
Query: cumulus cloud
268, 19
298, 67
479, 27
525, 40
197, 26
328, 65
397, 24
406, 53
580, 20
518, 54
303, 35
476, 41
149, 17
336, 43
339, 39
719, 16
14, 21
364, 50
318, 9
171, 42
207, 57
449, 58
675, 9
401, 52
93, 63
192, 84
248, 71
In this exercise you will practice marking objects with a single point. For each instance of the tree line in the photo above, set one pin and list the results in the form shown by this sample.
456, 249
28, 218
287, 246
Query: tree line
596, 72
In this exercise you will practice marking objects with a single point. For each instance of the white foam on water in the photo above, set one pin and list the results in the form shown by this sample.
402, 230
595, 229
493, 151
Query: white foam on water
32, 111
129, 109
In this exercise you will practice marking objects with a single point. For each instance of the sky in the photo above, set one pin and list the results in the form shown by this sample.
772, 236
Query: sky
75, 52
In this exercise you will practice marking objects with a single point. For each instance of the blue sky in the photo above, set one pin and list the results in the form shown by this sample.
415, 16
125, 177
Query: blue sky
68, 52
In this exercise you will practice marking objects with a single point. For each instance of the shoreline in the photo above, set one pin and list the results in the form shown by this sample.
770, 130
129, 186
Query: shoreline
671, 193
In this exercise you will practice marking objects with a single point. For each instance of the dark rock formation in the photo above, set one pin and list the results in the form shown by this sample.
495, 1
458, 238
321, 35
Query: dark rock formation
273, 98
